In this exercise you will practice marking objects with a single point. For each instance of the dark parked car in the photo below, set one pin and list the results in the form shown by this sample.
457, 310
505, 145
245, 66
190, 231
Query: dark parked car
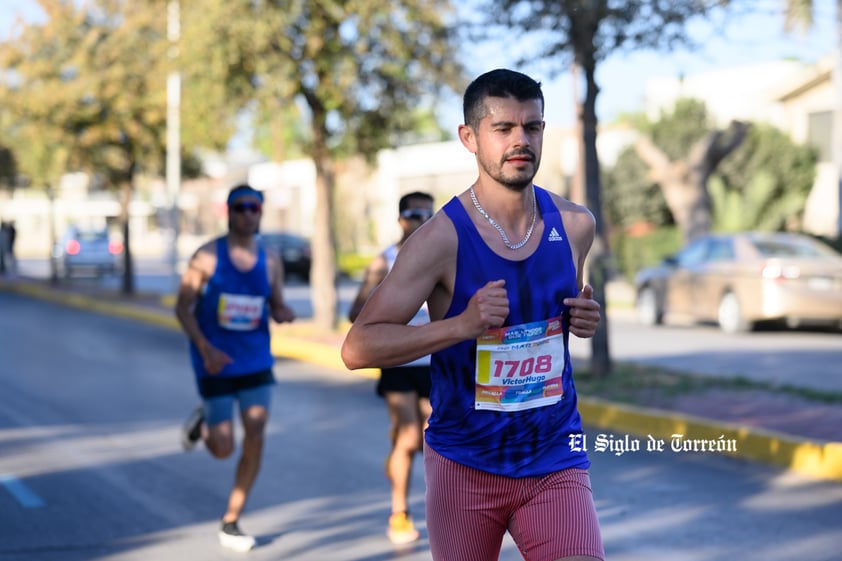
741, 279
293, 249
90, 251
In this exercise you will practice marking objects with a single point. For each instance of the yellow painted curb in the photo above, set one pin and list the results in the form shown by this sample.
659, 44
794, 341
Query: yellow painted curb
285, 343
816, 459
315, 353
127, 311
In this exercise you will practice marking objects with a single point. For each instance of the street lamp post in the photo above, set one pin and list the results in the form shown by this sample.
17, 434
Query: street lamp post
51, 214
173, 169
837, 116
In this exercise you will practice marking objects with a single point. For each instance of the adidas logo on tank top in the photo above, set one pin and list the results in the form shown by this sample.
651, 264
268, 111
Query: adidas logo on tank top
554, 236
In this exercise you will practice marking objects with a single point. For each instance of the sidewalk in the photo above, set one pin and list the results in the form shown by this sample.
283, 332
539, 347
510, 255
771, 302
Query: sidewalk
775, 428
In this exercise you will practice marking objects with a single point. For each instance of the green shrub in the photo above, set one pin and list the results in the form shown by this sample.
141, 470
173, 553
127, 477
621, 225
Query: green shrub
353, 264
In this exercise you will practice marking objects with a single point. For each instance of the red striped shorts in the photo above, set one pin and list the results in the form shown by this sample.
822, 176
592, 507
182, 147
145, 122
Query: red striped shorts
469, 511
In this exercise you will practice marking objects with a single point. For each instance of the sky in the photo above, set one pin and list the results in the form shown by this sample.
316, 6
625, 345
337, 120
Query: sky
741, 40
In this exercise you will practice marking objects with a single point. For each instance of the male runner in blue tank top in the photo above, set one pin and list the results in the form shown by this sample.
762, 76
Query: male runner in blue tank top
501, 268
227, 295
406, 388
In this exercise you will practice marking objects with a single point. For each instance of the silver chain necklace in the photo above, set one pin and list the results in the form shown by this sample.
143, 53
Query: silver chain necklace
499, 228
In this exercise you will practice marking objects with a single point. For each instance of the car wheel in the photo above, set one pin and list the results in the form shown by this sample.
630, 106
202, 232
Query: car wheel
730, 315
648, 312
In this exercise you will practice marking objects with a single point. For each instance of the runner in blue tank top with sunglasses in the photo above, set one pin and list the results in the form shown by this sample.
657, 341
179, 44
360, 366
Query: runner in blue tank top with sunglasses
501, 268
226, 298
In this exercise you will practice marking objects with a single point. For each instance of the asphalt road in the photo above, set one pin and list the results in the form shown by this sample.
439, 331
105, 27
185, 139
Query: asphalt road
91, 468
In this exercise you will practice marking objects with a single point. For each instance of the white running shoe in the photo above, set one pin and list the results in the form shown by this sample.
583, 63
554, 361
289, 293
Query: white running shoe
231, 537
191, 431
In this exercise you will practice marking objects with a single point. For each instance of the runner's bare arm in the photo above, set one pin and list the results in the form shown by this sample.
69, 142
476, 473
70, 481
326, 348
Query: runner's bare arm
278, 308
424, 270
199, 270
584, 310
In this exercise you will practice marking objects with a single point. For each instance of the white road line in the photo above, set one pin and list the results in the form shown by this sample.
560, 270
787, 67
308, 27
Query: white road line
22, 494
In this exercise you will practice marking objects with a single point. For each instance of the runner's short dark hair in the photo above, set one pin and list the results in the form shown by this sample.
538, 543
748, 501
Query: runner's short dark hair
498, 83
403, 204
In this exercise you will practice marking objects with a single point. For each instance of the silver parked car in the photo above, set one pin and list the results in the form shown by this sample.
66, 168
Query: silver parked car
741, 279
89, 251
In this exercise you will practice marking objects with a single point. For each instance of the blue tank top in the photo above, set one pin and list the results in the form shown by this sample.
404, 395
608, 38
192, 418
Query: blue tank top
233, 314
519, 443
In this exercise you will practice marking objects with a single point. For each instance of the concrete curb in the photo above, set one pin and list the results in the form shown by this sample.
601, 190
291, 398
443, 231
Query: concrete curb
821, 460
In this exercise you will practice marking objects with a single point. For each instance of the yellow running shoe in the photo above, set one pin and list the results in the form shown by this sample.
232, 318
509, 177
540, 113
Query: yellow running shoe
401, 529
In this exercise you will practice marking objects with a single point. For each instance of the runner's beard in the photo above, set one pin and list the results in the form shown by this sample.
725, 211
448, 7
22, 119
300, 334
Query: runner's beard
517, 181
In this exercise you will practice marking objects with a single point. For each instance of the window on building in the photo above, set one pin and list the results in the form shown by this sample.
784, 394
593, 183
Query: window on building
819, 133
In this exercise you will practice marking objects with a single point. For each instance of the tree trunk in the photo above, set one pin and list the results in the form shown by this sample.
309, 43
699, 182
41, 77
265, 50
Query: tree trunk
128, 286
323, 276
577, 185
599, 254
684, 182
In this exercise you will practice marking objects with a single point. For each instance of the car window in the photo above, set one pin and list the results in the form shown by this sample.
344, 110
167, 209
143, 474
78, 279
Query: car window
791, 248
721, 250
91, 236
693, 254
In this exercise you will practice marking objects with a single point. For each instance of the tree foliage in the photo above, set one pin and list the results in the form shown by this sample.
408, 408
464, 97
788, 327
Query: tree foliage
631, 197
764, 184
96, 71
41, 110
677, 130
358, 70
86, 90
684, 179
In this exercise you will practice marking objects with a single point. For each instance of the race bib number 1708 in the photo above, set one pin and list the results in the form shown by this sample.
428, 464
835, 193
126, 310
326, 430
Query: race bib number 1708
520, 367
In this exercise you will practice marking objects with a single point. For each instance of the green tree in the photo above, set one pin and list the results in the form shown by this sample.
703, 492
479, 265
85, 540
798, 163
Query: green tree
358, 68
631, 197
764, 184
81, 90
280, 131
86, 91
38, 108
585, 32
682, 152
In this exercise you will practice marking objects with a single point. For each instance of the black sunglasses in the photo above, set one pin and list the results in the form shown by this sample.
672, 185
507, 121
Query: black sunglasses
242, 207
417, 214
